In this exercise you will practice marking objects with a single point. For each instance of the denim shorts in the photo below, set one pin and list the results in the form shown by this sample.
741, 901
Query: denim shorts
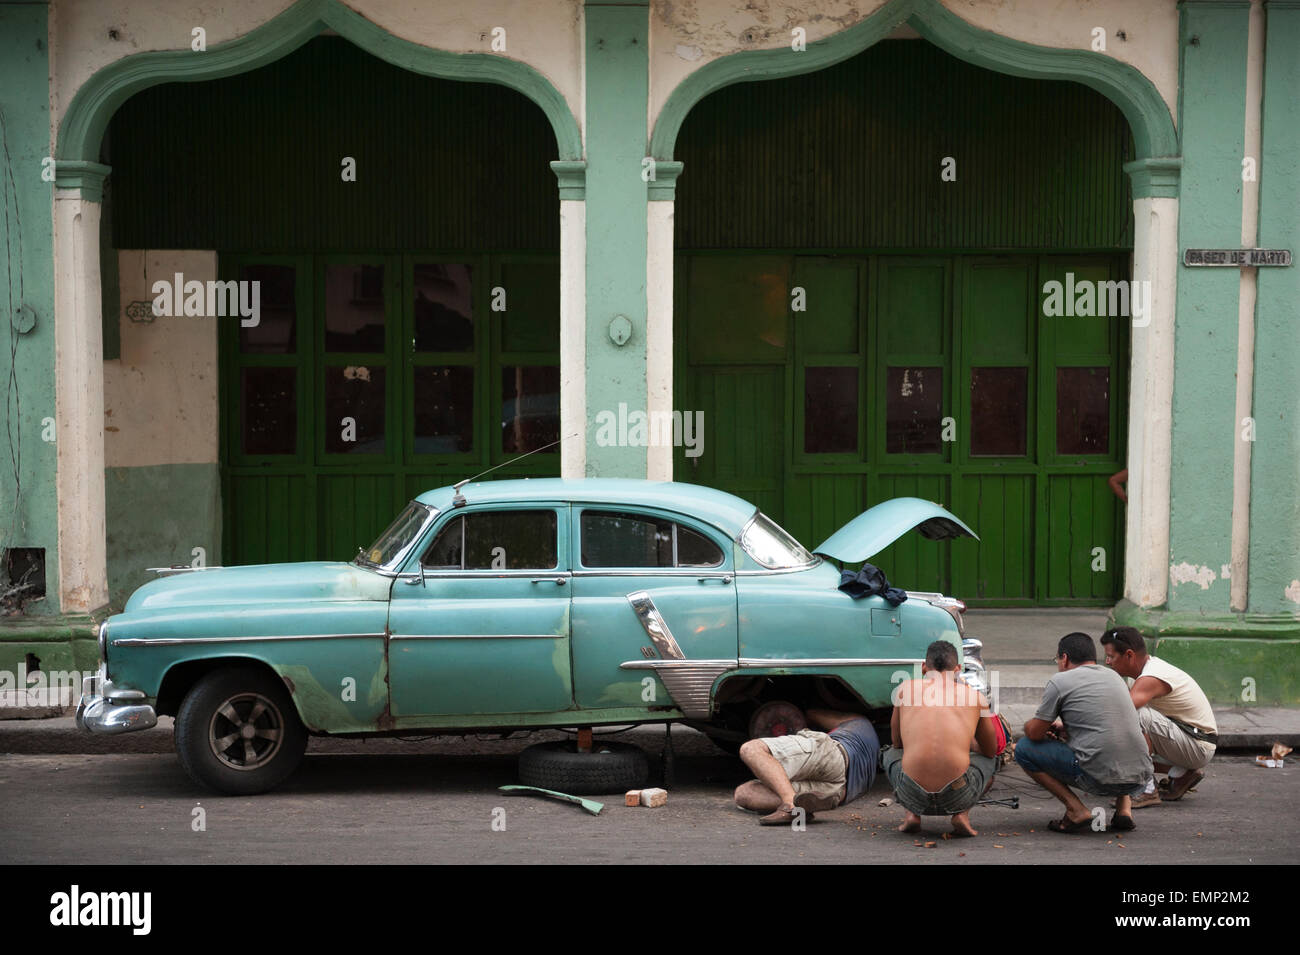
1053, 757
958, 796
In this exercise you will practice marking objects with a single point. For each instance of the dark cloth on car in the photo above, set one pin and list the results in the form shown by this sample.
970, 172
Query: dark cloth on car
868, 582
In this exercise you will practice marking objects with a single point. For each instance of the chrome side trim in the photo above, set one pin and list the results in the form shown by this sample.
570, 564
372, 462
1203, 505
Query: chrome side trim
689, 682
176, 641
180, 569
432, 574
752, 662
779, 570
656, 572
477, 636
653, 623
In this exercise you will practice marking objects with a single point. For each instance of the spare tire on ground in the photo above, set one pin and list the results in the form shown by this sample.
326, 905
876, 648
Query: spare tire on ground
608, 768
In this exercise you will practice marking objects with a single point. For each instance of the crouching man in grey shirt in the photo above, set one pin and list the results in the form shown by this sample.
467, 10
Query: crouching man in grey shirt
1085, 735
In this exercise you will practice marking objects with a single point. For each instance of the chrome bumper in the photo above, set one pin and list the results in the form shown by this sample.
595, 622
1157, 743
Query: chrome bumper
106, 710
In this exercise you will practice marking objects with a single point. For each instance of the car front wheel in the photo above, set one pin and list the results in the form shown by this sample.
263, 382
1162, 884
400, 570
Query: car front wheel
238, 733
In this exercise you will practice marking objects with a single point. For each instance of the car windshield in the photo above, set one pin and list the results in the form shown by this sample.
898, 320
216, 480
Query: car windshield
769, 544
398, 537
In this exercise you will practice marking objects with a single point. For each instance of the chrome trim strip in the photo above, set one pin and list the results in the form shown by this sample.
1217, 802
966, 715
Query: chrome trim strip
176, 641
656, 572
477, 636
779, 570
433, 574
675, 664
751, 662
653, 623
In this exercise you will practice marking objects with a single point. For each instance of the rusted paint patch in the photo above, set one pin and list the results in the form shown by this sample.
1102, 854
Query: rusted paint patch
1292, 591
1186, 573
754, 23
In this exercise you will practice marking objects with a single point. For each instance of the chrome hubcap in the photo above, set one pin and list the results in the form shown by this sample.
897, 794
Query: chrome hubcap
245, 731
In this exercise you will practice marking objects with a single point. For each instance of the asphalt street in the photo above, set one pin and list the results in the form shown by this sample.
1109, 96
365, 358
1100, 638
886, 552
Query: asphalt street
436, 801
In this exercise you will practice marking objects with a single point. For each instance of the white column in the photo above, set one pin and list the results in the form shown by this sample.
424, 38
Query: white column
573, 338
659, 331
1151, 396
79, 404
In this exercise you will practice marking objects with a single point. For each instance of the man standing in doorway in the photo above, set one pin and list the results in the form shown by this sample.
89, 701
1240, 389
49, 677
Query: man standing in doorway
1085, 734
1173, 711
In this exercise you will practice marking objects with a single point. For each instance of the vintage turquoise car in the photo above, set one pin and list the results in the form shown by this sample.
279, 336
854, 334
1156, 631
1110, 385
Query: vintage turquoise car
523, 604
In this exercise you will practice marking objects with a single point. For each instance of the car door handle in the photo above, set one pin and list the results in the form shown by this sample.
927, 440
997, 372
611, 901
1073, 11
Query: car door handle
725, 578
558, 581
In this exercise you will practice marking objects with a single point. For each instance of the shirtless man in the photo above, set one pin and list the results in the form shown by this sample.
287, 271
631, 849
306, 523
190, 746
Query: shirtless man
937, 720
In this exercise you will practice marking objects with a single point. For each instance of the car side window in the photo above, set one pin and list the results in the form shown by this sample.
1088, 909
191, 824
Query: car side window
496, 540
618, 539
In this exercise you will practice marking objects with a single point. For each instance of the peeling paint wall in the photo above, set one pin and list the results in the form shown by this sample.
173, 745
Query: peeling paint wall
686, 35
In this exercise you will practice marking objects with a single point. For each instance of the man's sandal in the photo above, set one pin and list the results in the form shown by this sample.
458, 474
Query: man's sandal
784, 816
1065, 825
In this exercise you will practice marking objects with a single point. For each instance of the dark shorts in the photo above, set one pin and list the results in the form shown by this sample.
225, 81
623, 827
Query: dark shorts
958, 796
1053, 757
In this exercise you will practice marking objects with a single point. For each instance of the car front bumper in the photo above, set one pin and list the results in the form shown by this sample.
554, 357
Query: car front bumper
107, 710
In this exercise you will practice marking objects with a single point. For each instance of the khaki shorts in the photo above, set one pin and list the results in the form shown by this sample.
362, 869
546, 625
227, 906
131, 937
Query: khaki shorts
1170, 744
813, 761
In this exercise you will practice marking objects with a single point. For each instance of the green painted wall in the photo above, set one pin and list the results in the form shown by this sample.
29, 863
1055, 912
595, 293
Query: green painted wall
1213, 72
850, 157
1275, 457
617, 52
28, 515
155, 517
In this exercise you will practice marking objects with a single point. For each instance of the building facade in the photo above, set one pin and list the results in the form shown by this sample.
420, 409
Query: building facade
818, 255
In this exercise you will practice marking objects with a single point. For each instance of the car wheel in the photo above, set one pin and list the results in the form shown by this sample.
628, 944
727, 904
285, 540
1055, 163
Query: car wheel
608, 768
238, 733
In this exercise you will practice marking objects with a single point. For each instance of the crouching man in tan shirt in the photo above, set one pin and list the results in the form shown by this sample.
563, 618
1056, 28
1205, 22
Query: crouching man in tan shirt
1174, 713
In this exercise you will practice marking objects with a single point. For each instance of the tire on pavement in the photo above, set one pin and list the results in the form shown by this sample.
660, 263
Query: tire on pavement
609, 768
216, 748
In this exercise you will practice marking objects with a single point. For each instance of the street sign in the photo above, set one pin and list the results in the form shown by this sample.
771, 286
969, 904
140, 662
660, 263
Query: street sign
1237, 257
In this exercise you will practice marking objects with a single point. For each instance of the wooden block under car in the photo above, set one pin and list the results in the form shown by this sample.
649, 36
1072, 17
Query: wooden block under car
654, 798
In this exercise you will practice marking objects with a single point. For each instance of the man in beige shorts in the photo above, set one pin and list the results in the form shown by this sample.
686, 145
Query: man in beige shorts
1173, 711
811, 770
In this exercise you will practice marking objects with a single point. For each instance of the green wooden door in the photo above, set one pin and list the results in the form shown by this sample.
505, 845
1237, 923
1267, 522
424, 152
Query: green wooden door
935, 376
371, 378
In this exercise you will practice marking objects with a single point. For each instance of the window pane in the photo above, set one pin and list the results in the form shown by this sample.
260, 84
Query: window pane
444, 409
497, 540
830, 410
530, 407
269, 410
913, 411
276, 330
354, 308
696, 550
998, 400
625, 540
1082, 410
354, 410
444, 319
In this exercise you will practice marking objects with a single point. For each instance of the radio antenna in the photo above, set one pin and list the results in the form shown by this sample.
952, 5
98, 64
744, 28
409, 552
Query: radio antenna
459, 499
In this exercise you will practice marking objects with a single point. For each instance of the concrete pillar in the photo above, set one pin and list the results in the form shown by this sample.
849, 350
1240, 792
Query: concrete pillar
573, 318
659, 331
79, 389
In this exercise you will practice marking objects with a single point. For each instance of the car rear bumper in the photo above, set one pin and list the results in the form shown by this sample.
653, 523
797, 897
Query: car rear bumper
106, 710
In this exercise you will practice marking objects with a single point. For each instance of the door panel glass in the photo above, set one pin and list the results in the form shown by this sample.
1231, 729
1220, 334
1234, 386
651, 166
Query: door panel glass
354, 308
530, 407
830, 410
276, 330
1082, 410
696, 550
625, 540
268, 410
444, 318
496, 540
998, 401
354, 409
914, 411
444, 409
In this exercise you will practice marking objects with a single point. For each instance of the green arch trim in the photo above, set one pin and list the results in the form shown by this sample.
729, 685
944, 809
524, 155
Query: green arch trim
1154, 135
94, 104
